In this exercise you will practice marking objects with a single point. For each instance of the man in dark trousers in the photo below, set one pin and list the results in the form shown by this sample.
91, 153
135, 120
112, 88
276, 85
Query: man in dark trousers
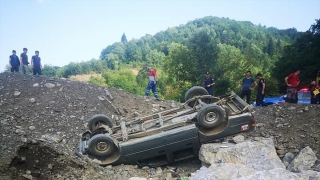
152, 85
246, 86
292, 81
36, 64
261, 90
24, 60
208, 83
14, 62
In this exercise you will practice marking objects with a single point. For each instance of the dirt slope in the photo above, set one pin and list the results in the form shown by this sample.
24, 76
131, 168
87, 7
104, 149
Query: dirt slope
41, 120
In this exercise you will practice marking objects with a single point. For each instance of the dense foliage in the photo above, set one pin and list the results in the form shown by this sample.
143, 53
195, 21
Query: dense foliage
224, 47
304, 53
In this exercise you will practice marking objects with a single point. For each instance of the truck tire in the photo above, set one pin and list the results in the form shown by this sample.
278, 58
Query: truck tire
98, 119
101, 145
196, 91
210, 116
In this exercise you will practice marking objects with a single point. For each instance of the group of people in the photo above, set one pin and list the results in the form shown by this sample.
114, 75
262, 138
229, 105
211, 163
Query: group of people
247, 85
292, 81
15, 63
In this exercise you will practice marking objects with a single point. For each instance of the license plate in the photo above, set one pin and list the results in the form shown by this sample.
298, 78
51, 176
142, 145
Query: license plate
245, 127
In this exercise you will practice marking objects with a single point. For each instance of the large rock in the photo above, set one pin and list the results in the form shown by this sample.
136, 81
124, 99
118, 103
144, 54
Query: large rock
303, 161
223, 171
250, 161
259, 154
230, 171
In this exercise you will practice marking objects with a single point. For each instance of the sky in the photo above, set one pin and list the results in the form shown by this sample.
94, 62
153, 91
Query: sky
65, 31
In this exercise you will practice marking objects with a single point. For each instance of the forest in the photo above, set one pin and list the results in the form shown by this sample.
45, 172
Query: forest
183, 54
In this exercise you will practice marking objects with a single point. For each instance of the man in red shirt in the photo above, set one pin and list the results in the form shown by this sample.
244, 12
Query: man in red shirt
152, 83
292, 81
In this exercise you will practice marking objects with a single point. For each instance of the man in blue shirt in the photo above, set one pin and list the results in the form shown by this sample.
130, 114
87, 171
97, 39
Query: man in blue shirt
14, 62
36, 64
246, 86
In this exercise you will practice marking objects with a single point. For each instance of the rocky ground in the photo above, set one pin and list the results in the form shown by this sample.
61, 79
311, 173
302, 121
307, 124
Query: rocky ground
41, 120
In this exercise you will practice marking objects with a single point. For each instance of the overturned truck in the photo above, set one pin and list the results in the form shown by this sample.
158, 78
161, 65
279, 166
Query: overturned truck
167, 136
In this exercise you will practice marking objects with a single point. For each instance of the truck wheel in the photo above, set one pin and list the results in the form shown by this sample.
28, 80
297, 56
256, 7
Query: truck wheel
98, 119
101, 145
196, 91
210, 116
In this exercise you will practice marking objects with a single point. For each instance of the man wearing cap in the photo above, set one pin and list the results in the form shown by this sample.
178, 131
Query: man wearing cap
292, 81
246, 86
14, 62
208, 83
152, 83
261, 90
24, 60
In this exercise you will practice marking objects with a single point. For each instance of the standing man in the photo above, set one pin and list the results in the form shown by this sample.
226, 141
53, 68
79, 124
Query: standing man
208, 83
24, 60
318, 79
246, 86
314, 91
261, 90
292, 81
36, 64
152, 83
14, 62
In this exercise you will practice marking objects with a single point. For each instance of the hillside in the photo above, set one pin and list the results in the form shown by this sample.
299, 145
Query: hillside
41, 120
224, 47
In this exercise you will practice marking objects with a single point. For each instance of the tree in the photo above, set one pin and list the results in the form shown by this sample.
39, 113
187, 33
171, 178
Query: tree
155, 58
229, 69
124, 38
49, 70
203, 47
132, 52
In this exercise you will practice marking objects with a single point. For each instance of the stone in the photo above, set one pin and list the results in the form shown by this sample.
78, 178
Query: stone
300, 111
135, 114
137, 178
32, 100
17, 93
303, 161
32, 128
235, 171
27, 176
36, 85
49, 85
5, 122
19, 131
292, 108
262, 154
238, 138
281, 152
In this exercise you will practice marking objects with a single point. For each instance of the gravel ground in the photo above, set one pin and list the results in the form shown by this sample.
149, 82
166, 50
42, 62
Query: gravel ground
41, 120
